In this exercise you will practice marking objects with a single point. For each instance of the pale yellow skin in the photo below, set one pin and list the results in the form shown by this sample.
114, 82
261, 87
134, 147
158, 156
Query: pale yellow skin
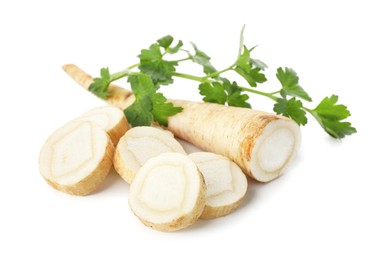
229, 131
121, 168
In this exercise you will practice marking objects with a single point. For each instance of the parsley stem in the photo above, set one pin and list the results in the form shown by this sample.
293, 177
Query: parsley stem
123, 73
269, 95
188, 76
184, 59
217, 73
133, 66
120, 74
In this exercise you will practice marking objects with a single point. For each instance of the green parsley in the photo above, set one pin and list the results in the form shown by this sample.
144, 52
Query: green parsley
155, 70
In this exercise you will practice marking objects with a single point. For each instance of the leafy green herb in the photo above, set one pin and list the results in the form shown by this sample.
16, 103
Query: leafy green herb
289, 81
202, 59
291, 108
100, 85
330, 116
155, 70
224, 93
149, 105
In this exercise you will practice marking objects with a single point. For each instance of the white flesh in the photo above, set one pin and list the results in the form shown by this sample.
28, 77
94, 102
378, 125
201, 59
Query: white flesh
76, 157
110, 118
138, 145
226, 183
168, 193
274, 149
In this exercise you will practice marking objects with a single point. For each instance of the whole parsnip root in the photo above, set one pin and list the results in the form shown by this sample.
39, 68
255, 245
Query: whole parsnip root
168, 193
226, 184
77, 157
111, 119
262, 144
140, 144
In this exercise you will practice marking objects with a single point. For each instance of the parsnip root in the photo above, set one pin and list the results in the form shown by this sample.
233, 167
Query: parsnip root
111, 119
76, 158
226, 184
168, 193
140, 144
262, 144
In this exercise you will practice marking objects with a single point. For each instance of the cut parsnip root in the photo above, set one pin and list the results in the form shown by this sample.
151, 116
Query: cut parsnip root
140, 144
226, 184
111, 119
262, 144
168, 193
77, 157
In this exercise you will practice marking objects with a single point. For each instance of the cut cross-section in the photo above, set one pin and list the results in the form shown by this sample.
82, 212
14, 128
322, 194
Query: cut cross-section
77, 157
138, 145
168, 192
110, 118
226, 184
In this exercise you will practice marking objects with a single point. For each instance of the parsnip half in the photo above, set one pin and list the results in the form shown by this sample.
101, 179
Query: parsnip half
111, 119
226, 183
262, 144
77, 157
168, 193
140, 144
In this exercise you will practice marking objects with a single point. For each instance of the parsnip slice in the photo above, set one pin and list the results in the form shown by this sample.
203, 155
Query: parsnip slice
226, 183
168, 192
77, 157
140, 144
111, 119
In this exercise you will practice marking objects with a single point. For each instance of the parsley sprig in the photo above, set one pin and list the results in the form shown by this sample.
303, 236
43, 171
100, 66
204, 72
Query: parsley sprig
155, 70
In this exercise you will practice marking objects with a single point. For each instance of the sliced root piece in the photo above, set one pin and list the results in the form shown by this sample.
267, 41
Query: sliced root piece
262, 144
138, 145
168, 193
111, 119
226, 184
77, 157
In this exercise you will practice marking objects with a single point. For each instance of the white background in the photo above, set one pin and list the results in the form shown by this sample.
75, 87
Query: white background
326, 206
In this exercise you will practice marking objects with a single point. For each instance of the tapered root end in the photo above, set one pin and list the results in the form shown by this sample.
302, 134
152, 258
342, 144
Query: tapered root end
274, 150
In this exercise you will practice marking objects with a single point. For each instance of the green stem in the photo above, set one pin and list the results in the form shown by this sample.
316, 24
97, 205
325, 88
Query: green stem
188, 58
188, 76
268, 95
123, 73
134, 65
217, 73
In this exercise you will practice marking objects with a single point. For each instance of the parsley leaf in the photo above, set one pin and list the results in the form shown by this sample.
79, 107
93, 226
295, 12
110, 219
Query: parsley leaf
291, 108
213, 92
165, 41
234, 95
149, 105
329, 115
202, 59
99, 87
225, 92
246, 67
139, 113
163, 109
289, 82
152, 63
